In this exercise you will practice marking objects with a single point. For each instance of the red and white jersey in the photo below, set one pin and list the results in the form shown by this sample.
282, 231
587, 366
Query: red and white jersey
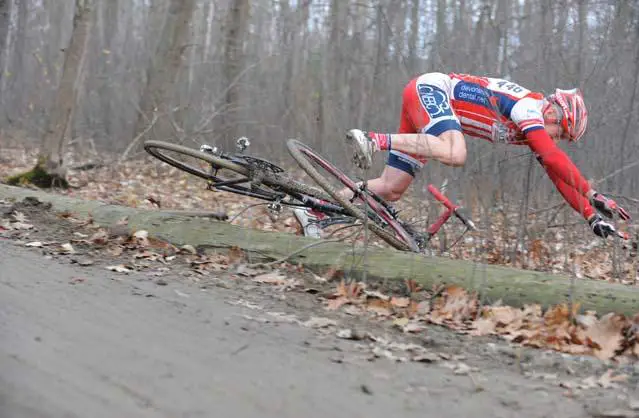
487, 108
495, 109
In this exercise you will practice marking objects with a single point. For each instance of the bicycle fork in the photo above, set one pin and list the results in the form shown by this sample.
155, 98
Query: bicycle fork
451, 209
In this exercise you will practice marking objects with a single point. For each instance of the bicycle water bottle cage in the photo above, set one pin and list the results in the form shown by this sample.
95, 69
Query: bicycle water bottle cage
242, 143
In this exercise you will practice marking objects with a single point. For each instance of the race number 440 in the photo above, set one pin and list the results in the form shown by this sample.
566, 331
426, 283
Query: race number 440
507, 87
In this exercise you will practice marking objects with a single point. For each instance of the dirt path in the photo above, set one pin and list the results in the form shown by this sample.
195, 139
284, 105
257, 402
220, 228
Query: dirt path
131, 348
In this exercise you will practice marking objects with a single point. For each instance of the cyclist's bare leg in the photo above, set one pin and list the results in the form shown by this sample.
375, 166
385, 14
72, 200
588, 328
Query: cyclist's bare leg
390, 186
448, 148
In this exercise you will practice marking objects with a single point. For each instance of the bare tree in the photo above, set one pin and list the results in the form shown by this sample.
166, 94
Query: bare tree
5, 21
155, 104
235, 32
50, 170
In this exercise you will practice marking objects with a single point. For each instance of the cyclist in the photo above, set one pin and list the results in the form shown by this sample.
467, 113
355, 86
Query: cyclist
438, 110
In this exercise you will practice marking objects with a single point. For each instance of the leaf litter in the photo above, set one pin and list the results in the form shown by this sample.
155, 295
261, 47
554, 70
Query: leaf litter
609, 337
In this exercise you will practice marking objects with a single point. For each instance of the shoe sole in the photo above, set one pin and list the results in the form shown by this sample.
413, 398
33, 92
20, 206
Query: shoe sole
358, 159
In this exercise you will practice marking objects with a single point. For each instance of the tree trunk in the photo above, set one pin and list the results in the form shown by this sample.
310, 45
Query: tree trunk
440, 36
236, 26
503, 34
155, 111
109, 13
582, 9
8, 37
49, 170
5, 21
412, 38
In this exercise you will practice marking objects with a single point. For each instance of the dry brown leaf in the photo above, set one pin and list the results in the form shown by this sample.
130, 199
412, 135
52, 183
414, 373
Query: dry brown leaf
454, 306
379, 307
274, 278
412, 286
400, 302
334, 304
352, 291
483, 326
99, 237
235, 255
605, 336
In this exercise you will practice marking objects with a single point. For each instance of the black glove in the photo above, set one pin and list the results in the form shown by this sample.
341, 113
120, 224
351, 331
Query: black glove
600, 227
608, 206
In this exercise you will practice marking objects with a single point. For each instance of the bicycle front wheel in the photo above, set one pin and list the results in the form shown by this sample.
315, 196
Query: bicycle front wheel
380, 220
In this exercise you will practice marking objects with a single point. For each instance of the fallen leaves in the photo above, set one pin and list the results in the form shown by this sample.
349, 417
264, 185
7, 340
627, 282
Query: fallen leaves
605, 336
345, 294
455, 306
559, 328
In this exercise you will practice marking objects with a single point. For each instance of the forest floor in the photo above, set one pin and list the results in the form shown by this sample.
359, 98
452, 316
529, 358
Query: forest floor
383, 349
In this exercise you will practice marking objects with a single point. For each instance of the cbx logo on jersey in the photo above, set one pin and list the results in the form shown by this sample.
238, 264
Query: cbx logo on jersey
434, 101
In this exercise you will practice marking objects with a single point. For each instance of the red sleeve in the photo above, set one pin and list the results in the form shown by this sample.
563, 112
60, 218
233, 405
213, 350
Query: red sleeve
555, 160
572, 196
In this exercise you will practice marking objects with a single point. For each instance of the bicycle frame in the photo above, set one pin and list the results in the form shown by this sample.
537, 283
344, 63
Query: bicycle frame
451, 209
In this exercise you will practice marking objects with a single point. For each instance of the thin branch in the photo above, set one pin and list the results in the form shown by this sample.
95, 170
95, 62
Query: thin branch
616, 172
247, 208
306, 247
133, 143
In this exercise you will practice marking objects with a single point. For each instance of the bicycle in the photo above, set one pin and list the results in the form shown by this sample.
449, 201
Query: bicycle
259, 178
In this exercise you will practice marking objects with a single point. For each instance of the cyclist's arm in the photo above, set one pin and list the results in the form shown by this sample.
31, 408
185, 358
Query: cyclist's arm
572, 195
554, 160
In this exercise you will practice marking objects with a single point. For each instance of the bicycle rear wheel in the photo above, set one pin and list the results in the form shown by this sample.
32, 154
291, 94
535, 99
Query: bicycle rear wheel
380, 220
272, 186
